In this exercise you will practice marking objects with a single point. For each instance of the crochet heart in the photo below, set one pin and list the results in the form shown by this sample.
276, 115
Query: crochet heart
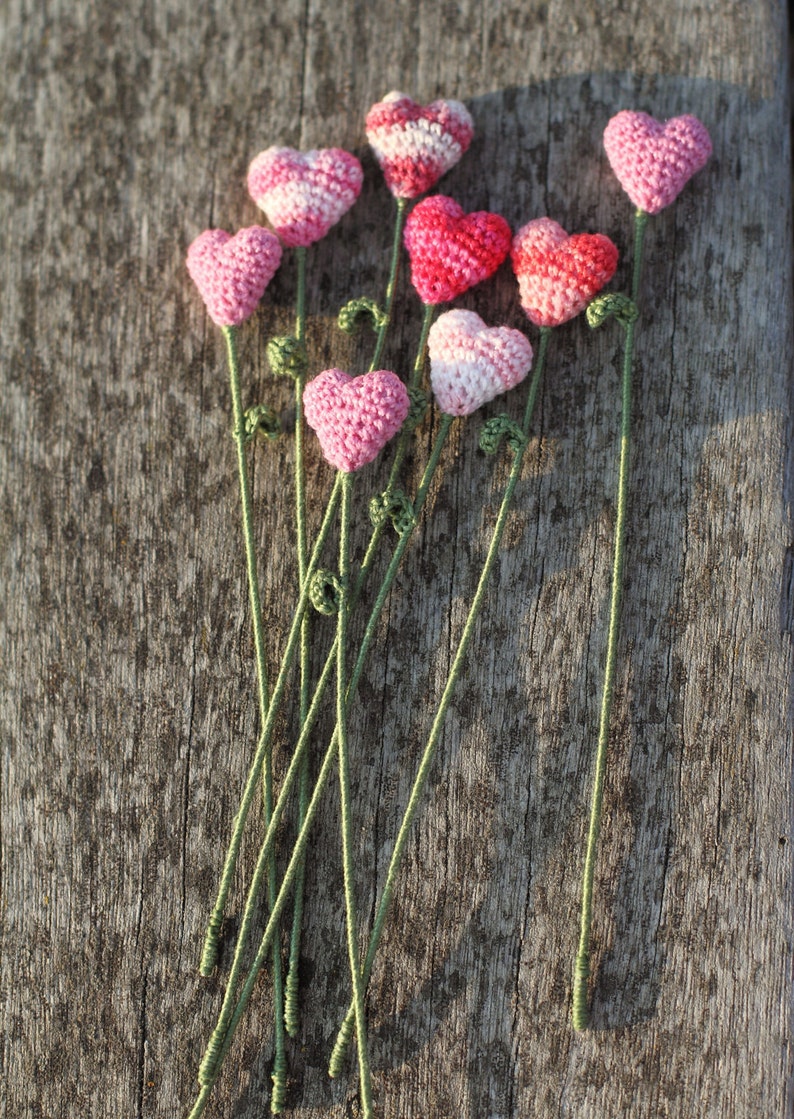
471, 363
654, 161
232, 273
558, 275
354, 417
304, 193
450, 250
416, 144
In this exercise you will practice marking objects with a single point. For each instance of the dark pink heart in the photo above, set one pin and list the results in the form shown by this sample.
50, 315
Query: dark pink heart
354, 417
416, 144
450, 250
232, 273
653, 161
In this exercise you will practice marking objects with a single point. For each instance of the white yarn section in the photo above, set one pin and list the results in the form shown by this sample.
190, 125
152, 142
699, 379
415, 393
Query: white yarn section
471, 363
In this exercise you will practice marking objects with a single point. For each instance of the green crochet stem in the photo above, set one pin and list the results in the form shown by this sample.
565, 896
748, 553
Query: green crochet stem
346, 1030
291, 1016
326, 770
351, 919
279, 1061
391, 288
580, 1013
209, 955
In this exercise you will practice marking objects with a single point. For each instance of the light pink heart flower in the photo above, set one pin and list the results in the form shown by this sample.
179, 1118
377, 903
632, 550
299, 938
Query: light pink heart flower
416, 144
355, 417
653, 161
471, 363
304, 193
232, 273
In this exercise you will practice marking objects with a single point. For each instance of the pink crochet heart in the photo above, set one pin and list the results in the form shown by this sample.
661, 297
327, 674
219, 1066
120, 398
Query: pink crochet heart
232, 273
416, 144
471, 363
558, 275
355, 417
304, 194
654, 161
452, 251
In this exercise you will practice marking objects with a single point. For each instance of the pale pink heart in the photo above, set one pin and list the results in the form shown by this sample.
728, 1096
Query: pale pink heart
232, 273
653, 161
416, 144
304, 193
471, 363
355, 417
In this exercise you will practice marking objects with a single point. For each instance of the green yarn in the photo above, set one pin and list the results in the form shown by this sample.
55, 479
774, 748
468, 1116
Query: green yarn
580, 1014
498, 428
262, 421
359, 311
287, 356
394, 506
325, 591
612, 303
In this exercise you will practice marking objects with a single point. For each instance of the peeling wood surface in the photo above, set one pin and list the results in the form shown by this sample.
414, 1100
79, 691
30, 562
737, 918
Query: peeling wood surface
128, 707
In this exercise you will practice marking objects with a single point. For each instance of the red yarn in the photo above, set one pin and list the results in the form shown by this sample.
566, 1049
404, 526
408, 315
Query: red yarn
450, 250
558, 275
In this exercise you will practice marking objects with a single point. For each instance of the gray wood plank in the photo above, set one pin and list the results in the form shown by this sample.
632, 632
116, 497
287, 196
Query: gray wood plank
128, 703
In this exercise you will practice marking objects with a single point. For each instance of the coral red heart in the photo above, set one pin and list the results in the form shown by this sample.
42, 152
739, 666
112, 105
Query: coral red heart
232, 273
355, 417
471, 363
304, 193
558, 275
416, 144
653, 161
450, 250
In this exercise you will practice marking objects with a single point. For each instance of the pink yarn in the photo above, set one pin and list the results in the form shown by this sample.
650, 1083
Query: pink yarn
304, 193
416, 144
354, 417
558, 275
450, 250
232, 273
471, 363
653, 161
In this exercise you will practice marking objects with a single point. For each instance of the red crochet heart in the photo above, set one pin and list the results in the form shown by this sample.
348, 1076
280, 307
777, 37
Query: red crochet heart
450, 250
558, 275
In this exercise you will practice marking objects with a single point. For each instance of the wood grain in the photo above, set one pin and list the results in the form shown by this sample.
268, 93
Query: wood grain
128, 701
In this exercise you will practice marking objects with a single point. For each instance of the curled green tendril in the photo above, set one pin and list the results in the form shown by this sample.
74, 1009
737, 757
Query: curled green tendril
261, 420
358, 311
499, 428
287, 356
393, 505
325, 591
611, 303
417, 411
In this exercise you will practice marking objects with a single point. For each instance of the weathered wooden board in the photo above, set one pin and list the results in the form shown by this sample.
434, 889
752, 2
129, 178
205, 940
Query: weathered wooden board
128, 701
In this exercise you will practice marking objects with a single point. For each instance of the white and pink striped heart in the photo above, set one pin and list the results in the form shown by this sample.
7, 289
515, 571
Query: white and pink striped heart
416, 144
304, 193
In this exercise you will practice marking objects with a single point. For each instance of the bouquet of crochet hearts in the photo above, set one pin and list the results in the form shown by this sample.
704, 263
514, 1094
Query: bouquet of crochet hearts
365, 420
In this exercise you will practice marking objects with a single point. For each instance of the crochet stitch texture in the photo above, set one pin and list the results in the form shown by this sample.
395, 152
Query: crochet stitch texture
471, 363
558, 275
231, 273
416, 144
450, 250
355, 417
304, 193
653, 161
